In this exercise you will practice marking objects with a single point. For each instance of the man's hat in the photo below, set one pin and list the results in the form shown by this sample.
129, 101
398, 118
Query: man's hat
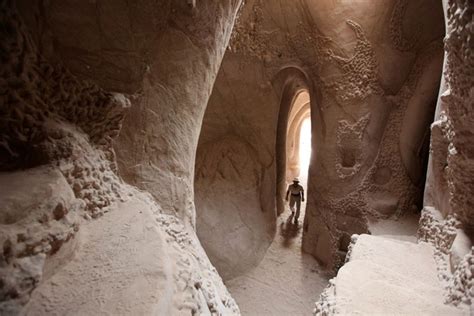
296, 180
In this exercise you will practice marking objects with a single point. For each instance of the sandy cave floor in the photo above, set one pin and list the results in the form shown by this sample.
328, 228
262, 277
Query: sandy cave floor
405, 228
287, 281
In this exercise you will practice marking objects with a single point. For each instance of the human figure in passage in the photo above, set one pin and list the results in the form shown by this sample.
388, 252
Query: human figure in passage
296, 193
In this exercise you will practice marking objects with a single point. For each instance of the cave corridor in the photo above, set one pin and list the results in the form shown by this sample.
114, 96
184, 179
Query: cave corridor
146, 148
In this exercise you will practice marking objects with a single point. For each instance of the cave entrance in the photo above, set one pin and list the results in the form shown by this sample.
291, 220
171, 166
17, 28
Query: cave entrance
298, 145
295, 154
305, 148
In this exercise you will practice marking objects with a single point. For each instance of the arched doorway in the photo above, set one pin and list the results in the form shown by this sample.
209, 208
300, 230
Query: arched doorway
298, 148
295, 107
298, 145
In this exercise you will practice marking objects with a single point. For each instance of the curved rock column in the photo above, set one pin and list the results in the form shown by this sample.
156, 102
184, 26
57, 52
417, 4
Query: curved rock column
235, 206
157, 146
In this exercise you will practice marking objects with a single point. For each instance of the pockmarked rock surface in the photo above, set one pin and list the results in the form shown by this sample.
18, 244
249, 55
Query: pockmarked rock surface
165, 56
371, 70
444, 248
134, 260
58, 128
35, 224
447, 218
138, 139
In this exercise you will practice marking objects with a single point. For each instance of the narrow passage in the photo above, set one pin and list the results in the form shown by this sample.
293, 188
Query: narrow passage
287, 281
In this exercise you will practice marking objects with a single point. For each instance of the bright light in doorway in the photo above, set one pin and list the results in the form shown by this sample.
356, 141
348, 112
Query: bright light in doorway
305, 147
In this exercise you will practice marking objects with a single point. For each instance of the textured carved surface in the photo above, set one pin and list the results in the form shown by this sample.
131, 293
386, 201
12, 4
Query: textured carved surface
439, 232
37, 93
450, 183
349, 142
354, 64
462, 284
59, 128
47, 117
459, 104
397, 36
358, 78
46, 110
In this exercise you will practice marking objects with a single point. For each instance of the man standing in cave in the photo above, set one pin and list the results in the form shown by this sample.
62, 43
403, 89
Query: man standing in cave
296, 193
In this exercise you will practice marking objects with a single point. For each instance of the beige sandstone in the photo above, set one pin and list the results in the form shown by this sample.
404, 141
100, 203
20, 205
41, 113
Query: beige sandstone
146, 146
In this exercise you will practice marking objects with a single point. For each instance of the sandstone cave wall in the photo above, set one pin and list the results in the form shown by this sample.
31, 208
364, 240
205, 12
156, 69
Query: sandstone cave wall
57, 162
120, 46
174, 98
372, 70
378, 103
447, 219
448, 187
59, 60
235, 167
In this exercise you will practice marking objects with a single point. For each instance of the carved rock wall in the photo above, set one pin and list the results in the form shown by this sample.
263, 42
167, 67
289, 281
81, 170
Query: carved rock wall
232, 225
235, 164
59, 170
120, 47
362, 166
62, 128
175, 92
449, 180
372, 70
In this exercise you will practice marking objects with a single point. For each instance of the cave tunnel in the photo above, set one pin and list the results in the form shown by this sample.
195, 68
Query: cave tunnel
146, 148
